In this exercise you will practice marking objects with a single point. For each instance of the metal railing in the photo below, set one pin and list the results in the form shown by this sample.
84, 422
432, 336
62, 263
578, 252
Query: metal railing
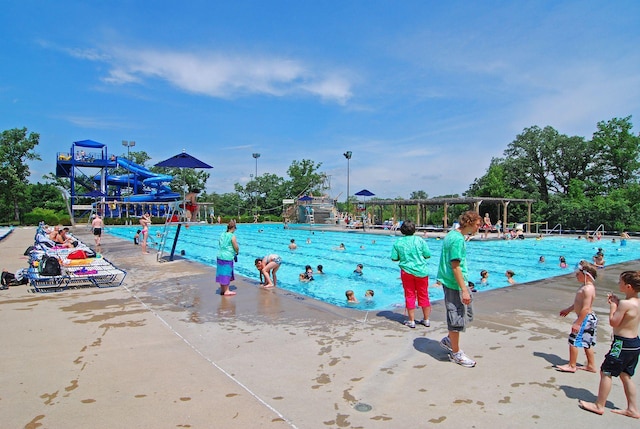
558, 227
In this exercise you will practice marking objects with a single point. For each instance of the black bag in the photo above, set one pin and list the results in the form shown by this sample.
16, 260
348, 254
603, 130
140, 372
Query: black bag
29, 249
49, 266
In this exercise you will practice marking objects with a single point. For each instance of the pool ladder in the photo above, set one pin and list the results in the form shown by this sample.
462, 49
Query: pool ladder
175, 211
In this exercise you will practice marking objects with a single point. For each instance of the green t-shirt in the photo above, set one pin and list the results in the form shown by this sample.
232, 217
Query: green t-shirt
453, 248
226, 252
412, 252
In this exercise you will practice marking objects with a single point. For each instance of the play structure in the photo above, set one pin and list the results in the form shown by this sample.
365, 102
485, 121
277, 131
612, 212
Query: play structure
139, 189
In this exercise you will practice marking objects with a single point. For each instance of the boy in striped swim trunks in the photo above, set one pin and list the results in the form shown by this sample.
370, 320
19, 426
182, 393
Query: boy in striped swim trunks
583, 330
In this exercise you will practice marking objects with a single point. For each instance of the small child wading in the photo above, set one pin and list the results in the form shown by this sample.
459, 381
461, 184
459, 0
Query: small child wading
583, 330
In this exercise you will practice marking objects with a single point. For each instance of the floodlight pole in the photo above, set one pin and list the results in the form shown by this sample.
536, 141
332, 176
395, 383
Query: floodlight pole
347, 155
129, 145
256, 156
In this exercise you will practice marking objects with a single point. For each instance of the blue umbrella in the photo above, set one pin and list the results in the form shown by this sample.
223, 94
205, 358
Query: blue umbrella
365, 193
183, 160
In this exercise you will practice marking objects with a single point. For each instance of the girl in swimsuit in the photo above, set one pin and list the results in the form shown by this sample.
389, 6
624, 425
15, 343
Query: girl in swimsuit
268, 266
145, 221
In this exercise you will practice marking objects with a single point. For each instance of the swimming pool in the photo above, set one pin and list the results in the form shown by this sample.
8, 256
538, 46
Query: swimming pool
199, 243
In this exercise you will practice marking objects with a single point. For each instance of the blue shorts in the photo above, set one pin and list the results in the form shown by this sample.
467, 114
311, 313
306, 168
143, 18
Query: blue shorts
586, 336
622, 357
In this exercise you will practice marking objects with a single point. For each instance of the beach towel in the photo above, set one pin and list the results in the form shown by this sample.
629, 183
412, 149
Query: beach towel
224, 272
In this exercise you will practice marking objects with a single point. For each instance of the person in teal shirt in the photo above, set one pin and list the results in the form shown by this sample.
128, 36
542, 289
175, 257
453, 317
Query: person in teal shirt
227, 252
452, 273
412, 253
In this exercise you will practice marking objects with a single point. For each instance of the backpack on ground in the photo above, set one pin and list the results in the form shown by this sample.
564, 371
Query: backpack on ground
49, 266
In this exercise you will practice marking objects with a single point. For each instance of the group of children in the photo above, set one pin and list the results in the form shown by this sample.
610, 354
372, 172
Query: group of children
624, 318
351, 296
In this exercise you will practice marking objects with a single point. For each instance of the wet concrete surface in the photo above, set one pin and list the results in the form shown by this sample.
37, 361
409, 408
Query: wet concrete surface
165, 350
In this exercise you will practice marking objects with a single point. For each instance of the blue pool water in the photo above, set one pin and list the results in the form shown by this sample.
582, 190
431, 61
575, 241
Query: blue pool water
199, 243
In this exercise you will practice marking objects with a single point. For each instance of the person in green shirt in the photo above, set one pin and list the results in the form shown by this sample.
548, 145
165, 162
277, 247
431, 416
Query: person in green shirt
452, 273
412, 253
227, 252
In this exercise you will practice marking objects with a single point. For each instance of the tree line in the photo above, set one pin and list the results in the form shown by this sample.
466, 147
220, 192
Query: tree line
578, 183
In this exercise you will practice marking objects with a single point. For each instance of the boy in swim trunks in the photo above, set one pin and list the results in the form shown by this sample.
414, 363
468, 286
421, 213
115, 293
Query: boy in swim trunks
583, 330
622, 359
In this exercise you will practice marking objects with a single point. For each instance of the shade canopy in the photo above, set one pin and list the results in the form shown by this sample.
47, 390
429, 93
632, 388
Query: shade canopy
183, 160
305, 198
365, 193
89, 143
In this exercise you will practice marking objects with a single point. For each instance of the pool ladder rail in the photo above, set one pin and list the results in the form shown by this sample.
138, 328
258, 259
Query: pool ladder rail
178, 213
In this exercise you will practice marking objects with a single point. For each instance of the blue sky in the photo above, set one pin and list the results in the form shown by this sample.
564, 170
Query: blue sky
424, 93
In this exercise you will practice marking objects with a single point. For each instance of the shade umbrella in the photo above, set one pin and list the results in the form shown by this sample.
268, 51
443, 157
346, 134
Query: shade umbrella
183, 160
364, 193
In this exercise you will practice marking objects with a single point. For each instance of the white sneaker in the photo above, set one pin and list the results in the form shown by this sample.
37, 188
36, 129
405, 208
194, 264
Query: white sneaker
461, 359
424, 322
445, 343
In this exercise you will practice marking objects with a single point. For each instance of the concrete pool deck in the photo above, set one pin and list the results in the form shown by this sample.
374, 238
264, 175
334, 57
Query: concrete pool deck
165, 351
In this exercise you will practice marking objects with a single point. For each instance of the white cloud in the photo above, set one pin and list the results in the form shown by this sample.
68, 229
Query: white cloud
222, 75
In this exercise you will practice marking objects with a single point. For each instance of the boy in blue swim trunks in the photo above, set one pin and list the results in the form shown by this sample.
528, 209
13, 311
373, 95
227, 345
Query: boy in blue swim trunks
622, 359
583, 330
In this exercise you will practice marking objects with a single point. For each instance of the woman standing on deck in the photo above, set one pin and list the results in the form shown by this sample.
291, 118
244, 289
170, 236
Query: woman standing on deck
412, 253
227, 253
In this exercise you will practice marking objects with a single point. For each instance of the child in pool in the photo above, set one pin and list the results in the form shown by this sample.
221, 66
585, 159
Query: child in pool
358, 270
307, 276
351, 297
563, 262
484, 277
510, 275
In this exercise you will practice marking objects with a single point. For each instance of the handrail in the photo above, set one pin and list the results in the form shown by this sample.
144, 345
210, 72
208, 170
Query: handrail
554, 228
600, 227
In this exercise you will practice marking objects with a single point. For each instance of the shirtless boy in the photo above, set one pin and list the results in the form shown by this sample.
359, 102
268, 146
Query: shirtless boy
583, 330
624, 318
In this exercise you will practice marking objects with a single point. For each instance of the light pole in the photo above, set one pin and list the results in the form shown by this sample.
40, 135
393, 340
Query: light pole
256, 156
347, 155
129, 145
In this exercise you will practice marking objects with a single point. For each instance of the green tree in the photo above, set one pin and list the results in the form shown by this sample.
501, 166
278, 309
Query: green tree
493, 183
16, 148
304, 178
618, 150
528, 161
418, 195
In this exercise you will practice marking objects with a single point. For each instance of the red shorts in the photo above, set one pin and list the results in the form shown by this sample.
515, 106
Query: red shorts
415, 288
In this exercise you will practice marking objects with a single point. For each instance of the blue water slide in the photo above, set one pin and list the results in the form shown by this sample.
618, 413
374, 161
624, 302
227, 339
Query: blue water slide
154, 181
